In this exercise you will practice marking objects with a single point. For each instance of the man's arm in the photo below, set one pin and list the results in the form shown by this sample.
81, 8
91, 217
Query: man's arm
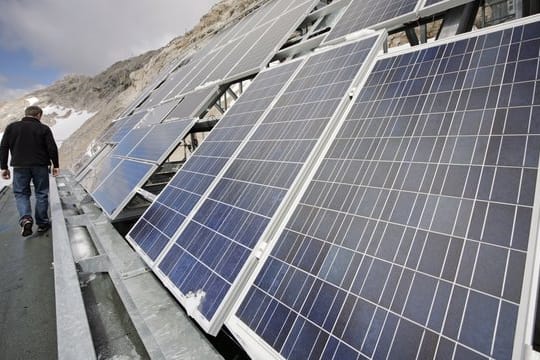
53, 152
4, 149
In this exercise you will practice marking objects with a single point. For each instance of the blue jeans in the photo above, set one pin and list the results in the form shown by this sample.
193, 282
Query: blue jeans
39, 175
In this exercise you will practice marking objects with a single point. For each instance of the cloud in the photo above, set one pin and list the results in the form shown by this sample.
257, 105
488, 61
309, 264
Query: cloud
81, 36
7, 93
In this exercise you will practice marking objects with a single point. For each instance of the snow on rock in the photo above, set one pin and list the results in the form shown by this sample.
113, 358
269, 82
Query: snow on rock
32, 100
67, 121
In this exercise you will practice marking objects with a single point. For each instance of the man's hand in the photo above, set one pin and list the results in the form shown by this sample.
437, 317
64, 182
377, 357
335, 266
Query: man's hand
6, 175
55, 172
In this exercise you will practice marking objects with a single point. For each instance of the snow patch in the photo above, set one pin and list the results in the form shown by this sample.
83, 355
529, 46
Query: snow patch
32, 100
193, 301
67, 121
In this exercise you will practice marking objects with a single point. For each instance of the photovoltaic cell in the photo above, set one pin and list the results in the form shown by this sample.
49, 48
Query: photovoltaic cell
410, 241
364, 14
209, 254
124, 179
158, 114
120, 128
101, 170
251, 44
113, 129
202, 74
161, 140
433, 2
130, 141
240, 47
198, 61
191, 104
163, 218
150, 144
161, 93
251, 21
259, 52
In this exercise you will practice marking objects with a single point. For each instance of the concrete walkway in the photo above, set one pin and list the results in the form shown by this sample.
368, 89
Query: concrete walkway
27, 306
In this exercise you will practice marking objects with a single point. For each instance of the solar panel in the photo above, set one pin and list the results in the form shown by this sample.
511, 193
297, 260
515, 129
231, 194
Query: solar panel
271, 39
430, 7
214, 246
221, 64
199, 60
120, 185
148, 144
276, 9
161, 140
251, 21
103, 167
118, 129
199, 76
162, 92
130, 141
158, 114
193, 103
114, 128
364, 14
428, 3
160, 222
411, 240
237, 50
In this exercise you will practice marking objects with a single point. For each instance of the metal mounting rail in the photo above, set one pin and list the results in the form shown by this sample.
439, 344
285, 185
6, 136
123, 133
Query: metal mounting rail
72, 328
96, 251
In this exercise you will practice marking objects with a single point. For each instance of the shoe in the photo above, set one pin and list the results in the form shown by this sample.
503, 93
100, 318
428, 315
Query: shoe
43, 228
26, 225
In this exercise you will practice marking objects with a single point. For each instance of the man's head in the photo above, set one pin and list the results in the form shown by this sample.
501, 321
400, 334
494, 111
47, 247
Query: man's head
33, 111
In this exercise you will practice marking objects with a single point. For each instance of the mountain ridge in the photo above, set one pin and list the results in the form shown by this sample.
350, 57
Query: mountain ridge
109, 92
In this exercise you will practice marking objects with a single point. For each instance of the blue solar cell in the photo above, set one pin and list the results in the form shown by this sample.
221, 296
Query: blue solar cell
171, 82
258, 53
131, 140
120, 128
410, 252
191, 104
185, 189
96, 175
158, 114
363, 14
115, 189
250, 45
259, 178
160, 140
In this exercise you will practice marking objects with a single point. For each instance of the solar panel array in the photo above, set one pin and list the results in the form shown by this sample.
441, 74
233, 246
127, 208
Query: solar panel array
406, 238
114, 180
240, 51
411, 240
214, 246
159, 223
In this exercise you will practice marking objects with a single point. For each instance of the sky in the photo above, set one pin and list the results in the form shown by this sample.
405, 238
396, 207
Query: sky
41, 41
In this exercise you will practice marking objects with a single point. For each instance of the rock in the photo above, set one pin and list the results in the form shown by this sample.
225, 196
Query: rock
111, 91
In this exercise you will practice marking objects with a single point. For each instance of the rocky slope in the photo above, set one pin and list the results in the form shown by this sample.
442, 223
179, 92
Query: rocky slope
109, 92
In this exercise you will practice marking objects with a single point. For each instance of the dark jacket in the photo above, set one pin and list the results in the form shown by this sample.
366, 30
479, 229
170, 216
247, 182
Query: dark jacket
31, 144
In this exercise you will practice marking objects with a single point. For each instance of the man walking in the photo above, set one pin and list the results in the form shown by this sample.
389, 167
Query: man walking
32, 148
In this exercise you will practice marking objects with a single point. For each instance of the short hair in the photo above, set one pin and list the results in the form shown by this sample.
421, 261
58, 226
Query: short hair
33, 111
